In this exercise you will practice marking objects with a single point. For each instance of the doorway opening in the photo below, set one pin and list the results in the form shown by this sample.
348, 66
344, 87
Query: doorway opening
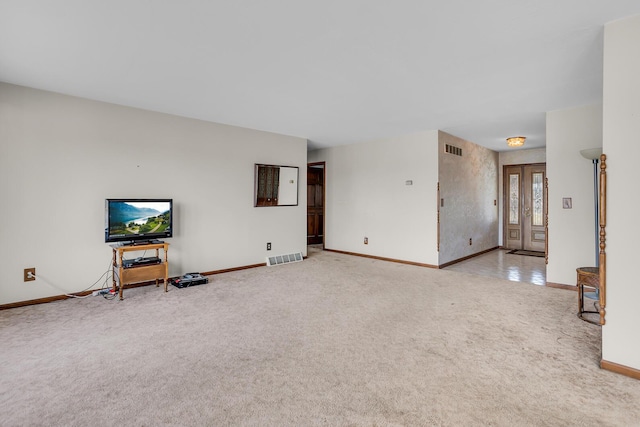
315, 204
524, 207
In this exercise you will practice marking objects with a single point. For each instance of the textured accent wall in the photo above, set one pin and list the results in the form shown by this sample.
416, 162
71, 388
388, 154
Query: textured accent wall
469, 187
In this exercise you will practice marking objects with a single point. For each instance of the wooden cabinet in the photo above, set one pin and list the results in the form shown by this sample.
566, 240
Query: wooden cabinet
123, 275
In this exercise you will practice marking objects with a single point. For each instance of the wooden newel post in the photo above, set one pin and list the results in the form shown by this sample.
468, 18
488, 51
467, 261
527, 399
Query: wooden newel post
603, 224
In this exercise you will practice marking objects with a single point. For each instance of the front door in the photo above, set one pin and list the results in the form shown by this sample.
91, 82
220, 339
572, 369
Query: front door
524, 207
315, 204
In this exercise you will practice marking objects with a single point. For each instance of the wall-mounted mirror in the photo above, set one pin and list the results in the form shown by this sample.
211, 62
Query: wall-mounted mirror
276, 185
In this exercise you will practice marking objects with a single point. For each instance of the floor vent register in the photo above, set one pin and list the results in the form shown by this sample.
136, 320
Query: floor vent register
284, 259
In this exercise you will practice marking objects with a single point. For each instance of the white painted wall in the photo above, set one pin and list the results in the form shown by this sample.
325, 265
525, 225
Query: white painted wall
514, 157
571, 231
61, 156
469, 188
523, 157
367, 195
621, 129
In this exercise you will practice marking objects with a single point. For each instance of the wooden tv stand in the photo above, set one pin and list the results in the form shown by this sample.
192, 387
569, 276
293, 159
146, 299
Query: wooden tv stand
141, 273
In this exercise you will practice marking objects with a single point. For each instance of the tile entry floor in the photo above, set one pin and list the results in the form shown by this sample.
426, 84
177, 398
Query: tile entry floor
498, 263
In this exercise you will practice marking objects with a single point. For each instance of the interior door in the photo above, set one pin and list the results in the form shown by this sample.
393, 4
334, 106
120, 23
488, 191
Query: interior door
315, 204
524, 207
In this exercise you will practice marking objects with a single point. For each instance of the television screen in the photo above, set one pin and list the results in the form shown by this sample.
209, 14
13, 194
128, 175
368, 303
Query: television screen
138, 219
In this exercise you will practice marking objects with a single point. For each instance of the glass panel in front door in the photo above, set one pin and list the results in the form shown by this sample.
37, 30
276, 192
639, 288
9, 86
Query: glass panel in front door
514, 199
537, 199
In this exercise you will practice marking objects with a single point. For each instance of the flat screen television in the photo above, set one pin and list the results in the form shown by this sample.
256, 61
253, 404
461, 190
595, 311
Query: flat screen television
138, 220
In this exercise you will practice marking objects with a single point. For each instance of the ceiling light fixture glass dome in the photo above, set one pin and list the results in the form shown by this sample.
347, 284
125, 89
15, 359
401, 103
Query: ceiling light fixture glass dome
516, 141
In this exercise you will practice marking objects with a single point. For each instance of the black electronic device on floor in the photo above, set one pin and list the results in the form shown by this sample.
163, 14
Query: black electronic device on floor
189, 279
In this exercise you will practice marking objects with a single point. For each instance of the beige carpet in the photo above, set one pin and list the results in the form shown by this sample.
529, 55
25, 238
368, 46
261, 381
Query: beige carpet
333, 340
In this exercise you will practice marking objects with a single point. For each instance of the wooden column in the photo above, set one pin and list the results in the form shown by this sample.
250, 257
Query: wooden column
603, 235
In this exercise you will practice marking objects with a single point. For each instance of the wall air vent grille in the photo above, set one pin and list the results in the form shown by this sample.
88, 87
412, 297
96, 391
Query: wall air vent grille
284, 259
452, 149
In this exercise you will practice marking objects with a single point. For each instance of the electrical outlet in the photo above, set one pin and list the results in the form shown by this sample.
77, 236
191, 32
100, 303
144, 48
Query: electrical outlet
366, 240
470, 241
268, 246
29, 274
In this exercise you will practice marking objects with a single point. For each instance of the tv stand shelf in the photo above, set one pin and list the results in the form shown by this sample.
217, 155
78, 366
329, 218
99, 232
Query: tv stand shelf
141, 273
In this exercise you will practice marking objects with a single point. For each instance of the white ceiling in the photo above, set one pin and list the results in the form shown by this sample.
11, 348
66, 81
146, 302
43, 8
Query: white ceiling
333, 71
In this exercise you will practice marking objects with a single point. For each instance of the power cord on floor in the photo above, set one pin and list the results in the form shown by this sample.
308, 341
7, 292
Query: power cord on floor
33, 276
104, 275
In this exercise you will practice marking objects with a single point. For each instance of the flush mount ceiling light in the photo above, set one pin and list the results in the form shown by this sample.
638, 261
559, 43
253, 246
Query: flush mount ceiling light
516, 141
